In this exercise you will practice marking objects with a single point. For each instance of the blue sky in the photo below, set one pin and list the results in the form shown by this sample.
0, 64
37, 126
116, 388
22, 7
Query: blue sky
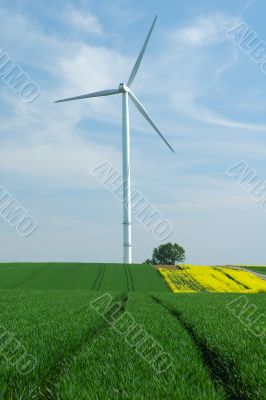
206, 95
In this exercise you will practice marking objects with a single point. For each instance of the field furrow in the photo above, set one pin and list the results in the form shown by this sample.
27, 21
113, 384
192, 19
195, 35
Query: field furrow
131, 278
124, 362
235, 351
53, 327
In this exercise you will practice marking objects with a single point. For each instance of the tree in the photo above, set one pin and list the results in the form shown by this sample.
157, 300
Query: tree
148, 261
167, 254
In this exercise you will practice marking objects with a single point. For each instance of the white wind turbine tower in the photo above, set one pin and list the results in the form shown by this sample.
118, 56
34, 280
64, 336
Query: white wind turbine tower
125, 90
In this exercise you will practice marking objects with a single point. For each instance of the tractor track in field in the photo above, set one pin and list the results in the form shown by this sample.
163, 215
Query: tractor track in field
98, 281
97, 277
214, 361
101, 276
125, 269
47, 389
31, 275
129, 278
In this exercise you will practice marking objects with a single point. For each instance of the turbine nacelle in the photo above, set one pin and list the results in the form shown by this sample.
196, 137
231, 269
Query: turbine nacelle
123, 88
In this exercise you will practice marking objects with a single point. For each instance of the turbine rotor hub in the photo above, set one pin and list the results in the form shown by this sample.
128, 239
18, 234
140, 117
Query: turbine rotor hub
123, 87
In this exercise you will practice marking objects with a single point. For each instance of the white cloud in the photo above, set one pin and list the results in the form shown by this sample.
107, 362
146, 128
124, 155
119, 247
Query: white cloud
206, 29
42, 139
62, 163
91, 68
194, 63
82, 20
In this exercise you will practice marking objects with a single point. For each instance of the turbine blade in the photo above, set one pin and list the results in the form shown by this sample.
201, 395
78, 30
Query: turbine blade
141, 54
95, 94
148, 118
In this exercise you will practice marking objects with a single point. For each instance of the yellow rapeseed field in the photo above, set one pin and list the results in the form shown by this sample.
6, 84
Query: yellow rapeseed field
194, 278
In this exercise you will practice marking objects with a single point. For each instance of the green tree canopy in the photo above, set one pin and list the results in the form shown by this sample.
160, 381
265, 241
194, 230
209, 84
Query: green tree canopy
167, 254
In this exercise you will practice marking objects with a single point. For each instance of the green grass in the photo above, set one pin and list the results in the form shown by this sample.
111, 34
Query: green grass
47, 276
69, 276
53, 327
110, 368
232, 347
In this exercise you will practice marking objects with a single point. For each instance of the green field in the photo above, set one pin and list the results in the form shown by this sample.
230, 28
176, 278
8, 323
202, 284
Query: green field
145, 343
94, 277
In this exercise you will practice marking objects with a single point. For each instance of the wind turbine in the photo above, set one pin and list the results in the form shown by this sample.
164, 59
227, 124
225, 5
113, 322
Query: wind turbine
125, 90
